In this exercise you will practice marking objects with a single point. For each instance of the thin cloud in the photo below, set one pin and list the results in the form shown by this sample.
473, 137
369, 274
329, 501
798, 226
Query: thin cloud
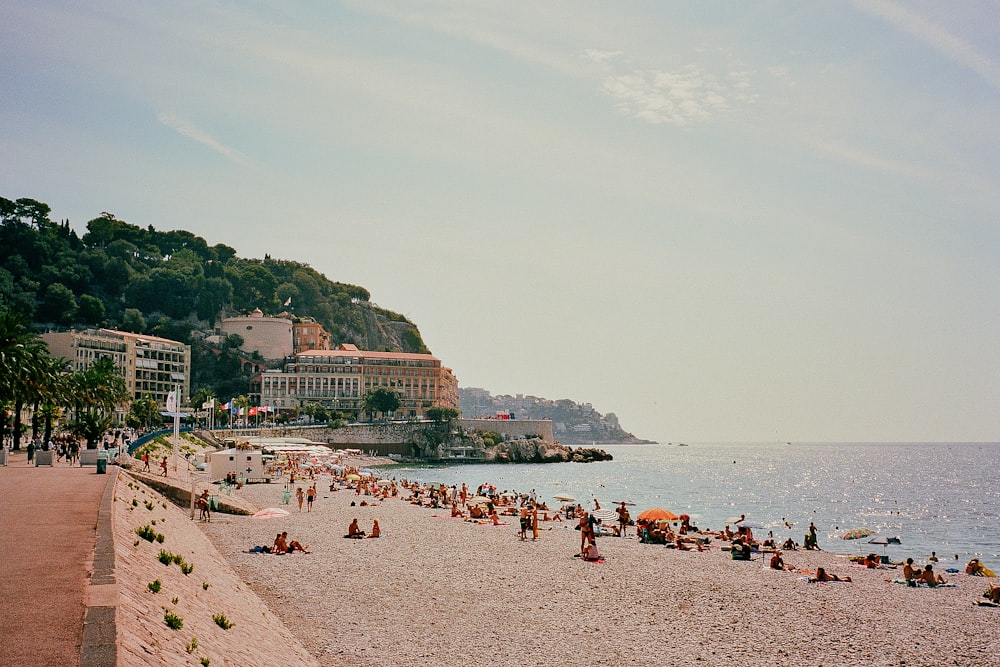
950, 46
862, 158
185, 128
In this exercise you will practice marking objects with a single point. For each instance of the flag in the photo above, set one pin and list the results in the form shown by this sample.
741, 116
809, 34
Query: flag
208, 405
288, 301
253, 412
172, 401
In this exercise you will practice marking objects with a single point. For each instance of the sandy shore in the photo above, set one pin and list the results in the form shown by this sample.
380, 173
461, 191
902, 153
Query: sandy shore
439, 591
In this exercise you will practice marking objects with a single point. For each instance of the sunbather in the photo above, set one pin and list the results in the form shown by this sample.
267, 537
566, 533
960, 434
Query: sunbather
823, 575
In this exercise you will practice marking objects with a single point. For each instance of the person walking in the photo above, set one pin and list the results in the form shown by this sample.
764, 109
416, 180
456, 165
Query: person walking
145, 461
163, 467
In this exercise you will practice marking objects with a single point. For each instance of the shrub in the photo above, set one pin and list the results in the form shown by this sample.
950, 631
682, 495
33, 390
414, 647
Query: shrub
204, 662
166, 557
192, 645
148, 534
154, 586
186, 568
173, 621
204, 585
222, 621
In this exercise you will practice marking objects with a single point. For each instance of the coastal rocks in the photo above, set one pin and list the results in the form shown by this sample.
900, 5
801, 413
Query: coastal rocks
535, 450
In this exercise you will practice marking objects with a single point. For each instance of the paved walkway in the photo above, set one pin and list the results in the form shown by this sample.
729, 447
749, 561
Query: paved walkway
56, 565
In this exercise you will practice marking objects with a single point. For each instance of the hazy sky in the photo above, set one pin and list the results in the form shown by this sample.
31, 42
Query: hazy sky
719, 220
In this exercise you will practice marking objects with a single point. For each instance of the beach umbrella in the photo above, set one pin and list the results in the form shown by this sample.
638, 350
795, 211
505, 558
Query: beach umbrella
270, 513
625, 502
883, 540
752, 525
657, 514
353, 477
477, 500
857, 533
384, 482
564, 497
605, 514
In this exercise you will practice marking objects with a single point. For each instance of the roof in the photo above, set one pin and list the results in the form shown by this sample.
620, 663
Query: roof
347, 350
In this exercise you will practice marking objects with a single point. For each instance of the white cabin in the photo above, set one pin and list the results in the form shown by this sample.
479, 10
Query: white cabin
246, 463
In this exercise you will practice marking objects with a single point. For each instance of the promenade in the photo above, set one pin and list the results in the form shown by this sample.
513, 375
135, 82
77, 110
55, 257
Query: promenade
50, 524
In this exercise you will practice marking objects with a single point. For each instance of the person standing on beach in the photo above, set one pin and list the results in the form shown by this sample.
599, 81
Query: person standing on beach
310, 496
299, 496
623, 519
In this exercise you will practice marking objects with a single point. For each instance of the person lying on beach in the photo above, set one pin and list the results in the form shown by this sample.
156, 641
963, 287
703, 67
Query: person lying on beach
928, 577
823, 575
740, 550
354, 530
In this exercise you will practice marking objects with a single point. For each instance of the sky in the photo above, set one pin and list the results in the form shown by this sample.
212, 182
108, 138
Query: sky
722, 221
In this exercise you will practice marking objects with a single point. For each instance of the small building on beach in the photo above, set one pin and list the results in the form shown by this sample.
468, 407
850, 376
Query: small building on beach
247, 464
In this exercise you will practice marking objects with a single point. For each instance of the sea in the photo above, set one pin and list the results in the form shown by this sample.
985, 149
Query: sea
936, 498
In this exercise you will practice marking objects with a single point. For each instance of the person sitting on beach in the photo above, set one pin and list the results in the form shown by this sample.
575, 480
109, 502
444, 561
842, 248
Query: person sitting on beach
993, 594
591, 553
872, 561
354, 530
975, 568
455, 511
740, 550
909, 572
789, 545
777, 563
476, 512
823, 575
928, 577
376, 530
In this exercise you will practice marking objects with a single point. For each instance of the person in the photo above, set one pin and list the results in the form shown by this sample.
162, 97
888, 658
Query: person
203, 505
586, 531
623, 519
872, 561
975, 568
811, 542
376, 530
933, 558
31, 451
591, 553
823, 575
777, 563
909, 572
928, 577
310, 496
145, 461
525, 523
293, 546
354, 530
993, 594
740, 550
789, 545
280, 545
299, 496
163, 467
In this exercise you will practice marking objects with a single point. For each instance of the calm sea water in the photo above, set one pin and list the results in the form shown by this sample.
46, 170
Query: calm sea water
935, 497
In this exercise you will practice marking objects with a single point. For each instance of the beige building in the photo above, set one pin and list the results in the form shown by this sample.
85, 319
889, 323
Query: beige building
339, 379
271, 337
150, 365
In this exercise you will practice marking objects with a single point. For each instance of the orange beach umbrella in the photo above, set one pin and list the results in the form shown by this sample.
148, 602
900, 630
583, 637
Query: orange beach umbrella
657, 514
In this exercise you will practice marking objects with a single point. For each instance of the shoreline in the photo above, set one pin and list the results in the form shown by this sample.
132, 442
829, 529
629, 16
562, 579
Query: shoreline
438, 590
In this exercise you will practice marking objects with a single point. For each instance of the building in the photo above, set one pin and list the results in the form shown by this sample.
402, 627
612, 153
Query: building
150, 365
271, 337
246, 464
339, 379
308, 334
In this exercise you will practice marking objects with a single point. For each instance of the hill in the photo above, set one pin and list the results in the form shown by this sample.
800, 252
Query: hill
172, 284
572, 423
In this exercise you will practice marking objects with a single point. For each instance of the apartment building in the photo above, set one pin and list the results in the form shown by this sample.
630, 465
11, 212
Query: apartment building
339, 379
150, 365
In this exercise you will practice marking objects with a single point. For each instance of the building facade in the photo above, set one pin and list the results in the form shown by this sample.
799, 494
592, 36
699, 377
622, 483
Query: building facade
339, 379
271, 337
308, 334
150, 365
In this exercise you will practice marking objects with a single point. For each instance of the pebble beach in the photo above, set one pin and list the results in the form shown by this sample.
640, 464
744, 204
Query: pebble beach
436, 590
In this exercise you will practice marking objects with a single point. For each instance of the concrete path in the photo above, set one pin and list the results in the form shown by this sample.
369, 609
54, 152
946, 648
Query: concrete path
56, 565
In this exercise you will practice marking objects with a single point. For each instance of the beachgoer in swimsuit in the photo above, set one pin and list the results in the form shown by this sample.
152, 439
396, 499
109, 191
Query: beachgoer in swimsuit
299, 496
310, 496
823, 575
928, 577
376, 530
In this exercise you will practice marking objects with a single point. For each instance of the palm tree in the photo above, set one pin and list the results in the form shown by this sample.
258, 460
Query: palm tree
99, 389
22, 354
